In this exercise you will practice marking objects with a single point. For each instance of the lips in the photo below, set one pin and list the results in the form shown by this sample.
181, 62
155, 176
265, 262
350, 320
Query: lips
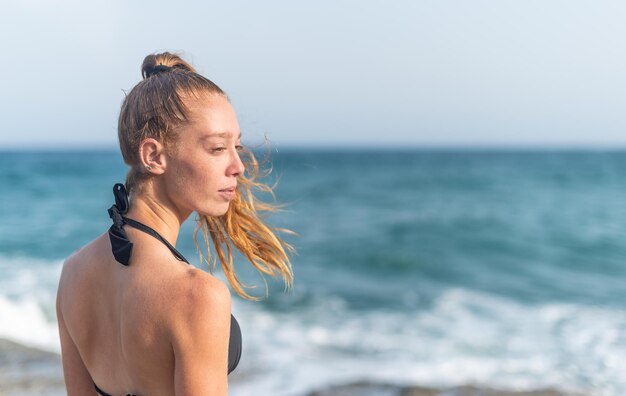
228, 193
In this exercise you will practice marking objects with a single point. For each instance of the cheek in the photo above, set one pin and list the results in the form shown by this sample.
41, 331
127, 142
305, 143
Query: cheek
183, 173
181, 180
198, 176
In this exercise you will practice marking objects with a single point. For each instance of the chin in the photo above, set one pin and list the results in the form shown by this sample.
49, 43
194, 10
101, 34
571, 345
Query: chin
215, 211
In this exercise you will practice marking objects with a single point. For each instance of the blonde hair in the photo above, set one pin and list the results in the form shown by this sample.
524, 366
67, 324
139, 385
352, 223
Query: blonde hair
157, 107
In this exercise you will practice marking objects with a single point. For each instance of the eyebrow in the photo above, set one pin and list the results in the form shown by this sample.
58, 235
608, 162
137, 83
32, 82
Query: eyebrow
222, 134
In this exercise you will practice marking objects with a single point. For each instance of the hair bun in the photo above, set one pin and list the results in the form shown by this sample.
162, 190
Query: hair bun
163, 63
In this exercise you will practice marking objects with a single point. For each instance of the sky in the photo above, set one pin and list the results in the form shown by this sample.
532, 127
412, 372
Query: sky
466, 73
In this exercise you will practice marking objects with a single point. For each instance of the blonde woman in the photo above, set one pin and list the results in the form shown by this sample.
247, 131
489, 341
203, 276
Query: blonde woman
134, 317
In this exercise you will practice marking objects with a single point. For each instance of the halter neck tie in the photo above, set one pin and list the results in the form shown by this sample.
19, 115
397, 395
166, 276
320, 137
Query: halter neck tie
121, 246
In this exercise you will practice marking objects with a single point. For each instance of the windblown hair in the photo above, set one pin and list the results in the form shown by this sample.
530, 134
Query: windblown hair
157, 107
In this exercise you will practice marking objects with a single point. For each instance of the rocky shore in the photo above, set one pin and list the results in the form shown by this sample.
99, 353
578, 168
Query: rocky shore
28, 371
376, 389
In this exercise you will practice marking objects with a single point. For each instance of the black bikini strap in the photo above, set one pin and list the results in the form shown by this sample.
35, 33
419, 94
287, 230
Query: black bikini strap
100, 391
120, 244
103, 393
148, 230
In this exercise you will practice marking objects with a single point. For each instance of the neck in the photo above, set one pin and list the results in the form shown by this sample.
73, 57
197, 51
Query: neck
149, 208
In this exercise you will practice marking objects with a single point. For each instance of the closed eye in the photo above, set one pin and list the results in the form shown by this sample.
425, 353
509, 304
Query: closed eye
239, 148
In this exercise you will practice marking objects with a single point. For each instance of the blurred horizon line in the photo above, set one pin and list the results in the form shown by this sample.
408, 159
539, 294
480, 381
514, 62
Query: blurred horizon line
502, 147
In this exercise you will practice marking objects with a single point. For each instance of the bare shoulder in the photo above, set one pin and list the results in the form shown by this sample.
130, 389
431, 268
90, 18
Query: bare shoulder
198, 298
74, 279
77, 260
200, 334
73, 261
198, 286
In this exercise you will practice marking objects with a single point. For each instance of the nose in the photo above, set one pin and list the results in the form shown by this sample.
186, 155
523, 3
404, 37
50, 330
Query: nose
236, 167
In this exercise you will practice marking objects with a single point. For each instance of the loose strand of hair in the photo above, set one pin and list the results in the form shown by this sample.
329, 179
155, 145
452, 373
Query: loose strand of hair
242, 228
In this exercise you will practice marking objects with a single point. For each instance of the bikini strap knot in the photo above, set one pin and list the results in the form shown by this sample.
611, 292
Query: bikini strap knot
120, 244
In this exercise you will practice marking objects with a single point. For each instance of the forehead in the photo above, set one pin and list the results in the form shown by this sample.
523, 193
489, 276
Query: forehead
214, 117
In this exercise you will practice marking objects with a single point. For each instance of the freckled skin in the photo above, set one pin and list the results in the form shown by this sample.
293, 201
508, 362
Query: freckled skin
204, 166
158, 326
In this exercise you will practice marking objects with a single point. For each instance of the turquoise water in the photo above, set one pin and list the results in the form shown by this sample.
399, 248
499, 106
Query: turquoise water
441, 267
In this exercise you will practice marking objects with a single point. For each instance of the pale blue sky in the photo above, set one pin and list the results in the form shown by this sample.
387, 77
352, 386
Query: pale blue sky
329, 73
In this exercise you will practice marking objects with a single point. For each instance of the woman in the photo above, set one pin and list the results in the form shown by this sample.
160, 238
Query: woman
134, 317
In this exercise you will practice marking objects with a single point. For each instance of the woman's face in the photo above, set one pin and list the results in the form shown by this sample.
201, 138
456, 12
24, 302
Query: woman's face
202, 174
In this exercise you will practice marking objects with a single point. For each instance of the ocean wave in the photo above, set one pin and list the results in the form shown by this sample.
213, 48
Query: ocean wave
24, 321
461, 336
27, 301
464, 337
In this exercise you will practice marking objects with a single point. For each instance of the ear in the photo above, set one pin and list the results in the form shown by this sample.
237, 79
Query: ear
152, 156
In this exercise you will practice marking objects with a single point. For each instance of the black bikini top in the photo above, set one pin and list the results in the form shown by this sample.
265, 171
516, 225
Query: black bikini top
122, 248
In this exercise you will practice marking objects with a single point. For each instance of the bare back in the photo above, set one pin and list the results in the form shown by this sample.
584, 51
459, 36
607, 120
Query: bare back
122, 319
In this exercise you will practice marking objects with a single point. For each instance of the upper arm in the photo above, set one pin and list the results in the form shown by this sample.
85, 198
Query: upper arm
77, 379
200, 335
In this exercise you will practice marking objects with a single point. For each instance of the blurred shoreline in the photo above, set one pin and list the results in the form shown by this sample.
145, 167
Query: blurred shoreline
27, 371
381, 389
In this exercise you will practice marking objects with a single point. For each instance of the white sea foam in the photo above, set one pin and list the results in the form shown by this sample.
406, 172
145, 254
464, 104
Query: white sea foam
463, 337
24, 321
27, 298
466, 337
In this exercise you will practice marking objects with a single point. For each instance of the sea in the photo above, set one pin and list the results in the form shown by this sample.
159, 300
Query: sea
440, 267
